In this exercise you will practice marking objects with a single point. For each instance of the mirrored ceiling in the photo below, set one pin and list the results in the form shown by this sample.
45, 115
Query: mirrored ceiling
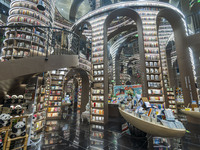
73, 9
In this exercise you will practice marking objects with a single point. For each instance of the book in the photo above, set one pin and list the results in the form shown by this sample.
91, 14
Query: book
169, 115
150, 111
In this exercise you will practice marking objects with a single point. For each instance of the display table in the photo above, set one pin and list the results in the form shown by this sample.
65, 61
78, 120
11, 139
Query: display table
150, 127
192, 116
113, 110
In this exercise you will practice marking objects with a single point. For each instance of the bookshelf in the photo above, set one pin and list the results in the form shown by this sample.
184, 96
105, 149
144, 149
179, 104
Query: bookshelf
165, 31
153, 62
26, 41
55, 94
79, 92
98, 97
39, 115
54, 106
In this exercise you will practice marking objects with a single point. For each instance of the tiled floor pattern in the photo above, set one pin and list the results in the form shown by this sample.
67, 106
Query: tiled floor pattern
77, 135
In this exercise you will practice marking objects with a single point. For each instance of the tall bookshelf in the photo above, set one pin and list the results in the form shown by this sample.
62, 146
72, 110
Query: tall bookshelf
54, 104
39, 109
79, 92
98, 96
56, 94
153, 63
165, 31
26, 41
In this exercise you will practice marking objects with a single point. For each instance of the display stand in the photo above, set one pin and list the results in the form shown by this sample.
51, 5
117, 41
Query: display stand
192, 116
152, 128
6, 130
24, 138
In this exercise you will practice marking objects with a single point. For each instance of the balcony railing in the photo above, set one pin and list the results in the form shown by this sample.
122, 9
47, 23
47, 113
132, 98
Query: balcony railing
29, 41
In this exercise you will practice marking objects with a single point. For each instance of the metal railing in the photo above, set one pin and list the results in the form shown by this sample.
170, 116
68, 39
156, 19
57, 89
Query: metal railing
29, 41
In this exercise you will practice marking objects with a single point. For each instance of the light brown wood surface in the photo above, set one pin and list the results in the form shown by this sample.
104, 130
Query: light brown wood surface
152, 128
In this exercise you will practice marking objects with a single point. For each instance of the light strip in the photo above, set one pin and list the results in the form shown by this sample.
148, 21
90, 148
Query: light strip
126, 4
115, 46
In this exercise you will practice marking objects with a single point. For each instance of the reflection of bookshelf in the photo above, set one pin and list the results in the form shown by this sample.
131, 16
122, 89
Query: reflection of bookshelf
96, 136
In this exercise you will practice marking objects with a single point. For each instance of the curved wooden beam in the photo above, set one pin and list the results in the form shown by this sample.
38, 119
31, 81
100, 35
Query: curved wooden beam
136, 17
31, 65
182, 51
85, 85
119, 30
74, 9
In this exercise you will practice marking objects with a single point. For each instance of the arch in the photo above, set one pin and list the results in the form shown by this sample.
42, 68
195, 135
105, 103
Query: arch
81, 24
83, 38
183, 56
117, 70
85, 85
119, 30
74, 9
136, 17
125, 5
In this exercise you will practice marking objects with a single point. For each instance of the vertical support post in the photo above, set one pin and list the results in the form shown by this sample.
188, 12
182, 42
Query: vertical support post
46, 58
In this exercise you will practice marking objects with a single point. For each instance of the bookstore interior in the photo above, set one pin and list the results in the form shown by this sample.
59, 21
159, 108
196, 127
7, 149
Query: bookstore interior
100, 74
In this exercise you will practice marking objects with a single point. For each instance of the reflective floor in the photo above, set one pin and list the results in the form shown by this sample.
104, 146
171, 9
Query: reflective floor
76, 135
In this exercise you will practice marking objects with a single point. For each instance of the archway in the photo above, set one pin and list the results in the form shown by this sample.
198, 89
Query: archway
85, 85
134, 16
124, 55
183, 56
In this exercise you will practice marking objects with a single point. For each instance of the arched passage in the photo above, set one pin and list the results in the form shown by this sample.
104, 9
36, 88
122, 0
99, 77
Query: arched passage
85, 85
81, 25
183, 56
134, 16
117, 62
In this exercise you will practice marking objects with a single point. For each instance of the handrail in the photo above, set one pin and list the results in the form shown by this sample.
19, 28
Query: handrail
21, 41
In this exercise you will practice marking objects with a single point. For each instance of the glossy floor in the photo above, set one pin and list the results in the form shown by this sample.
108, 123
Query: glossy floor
77, 135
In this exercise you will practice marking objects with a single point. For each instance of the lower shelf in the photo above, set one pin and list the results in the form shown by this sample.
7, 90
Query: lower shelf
53, 118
